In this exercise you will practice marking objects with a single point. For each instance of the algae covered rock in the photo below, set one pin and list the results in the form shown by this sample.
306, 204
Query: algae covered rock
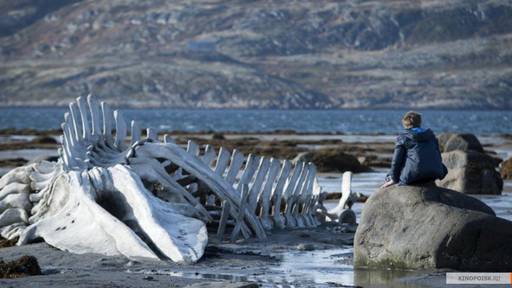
24, 266
506, 169
332, 160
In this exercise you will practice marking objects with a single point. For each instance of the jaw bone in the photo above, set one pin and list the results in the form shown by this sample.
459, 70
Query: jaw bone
149, 198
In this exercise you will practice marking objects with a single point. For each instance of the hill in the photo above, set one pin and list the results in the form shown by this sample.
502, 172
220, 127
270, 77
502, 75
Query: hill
258, 54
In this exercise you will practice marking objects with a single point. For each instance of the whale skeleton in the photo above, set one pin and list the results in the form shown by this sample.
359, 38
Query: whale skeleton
117, 194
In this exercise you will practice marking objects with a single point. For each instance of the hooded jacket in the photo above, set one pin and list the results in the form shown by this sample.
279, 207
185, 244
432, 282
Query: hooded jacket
416, 158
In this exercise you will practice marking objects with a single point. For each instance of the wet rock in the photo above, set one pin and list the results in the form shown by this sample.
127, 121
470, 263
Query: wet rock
345, 228
24, 266
218, 136
417, 227
465, 142
48, 158
12, 162
305, 247
332, 160
273, 150
132, 263
506, 169
44, 140
471, 172
375, 160
348, 216
7, 242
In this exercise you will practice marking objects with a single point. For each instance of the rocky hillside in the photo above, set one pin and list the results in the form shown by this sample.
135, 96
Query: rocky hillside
265, 54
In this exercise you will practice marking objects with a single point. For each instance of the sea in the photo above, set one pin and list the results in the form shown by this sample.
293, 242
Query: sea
303, 121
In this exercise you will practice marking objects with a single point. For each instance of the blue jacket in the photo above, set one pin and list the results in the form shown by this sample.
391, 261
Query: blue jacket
416, 158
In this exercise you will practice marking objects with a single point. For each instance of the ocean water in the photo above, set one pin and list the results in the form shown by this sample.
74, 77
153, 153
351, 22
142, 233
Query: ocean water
242, 120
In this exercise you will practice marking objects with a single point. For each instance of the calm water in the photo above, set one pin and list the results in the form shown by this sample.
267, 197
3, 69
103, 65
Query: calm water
350, 121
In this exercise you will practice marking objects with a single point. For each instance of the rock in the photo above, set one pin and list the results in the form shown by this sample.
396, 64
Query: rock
44, 140
425, 227
305, 247
41, 158
218, 136
442, 139
15, 162
506, 169
332, 160
459, 158
132, 263
7, 242
465, 142
24, 266
471, 173
348, 216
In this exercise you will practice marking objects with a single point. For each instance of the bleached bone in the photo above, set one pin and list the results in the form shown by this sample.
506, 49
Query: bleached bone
292, 194
277, 193
261, 176
264, 197
343, 212
115, 194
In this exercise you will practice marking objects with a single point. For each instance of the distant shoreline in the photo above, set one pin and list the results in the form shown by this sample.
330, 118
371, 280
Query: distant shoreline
44, 132
164, 107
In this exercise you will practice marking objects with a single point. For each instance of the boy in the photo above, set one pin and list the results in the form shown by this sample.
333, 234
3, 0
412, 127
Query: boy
417, 158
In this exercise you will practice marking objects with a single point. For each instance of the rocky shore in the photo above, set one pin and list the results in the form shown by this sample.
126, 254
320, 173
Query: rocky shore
336, 152
330, 153
321, 257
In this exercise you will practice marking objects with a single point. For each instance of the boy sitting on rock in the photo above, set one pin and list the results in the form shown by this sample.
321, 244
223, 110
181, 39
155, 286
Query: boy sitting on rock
417, 158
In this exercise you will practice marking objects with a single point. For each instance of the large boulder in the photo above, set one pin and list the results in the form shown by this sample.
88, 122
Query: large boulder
506, 169
425, 227
464, 142
471, 172
332, 160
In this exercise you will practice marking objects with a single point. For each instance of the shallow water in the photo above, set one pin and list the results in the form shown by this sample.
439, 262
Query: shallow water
368, 183
365, 183
320, 268
328, 267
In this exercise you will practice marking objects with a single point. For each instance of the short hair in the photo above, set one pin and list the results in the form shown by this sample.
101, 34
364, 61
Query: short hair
411, 119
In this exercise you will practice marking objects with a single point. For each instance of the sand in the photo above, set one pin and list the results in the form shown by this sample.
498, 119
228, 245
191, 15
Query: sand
224, 264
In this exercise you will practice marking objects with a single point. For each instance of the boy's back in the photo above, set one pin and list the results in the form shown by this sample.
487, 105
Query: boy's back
416, 157
423, 159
